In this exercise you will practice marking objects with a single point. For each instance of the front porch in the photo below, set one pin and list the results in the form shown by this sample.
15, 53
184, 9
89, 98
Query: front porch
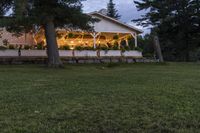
90, 40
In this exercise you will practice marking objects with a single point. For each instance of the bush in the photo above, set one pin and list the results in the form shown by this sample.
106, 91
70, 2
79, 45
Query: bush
70, 35
39, 46
103, 47
123, 49
89, 48
11, 47
3, 48
27, 47
138, 49
79, 48
65, 47
115, 46
127, 48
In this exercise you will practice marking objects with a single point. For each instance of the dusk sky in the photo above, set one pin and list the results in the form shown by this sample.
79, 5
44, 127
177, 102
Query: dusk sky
126, 8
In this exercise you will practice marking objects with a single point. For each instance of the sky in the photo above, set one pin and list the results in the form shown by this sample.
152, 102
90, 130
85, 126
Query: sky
126, 8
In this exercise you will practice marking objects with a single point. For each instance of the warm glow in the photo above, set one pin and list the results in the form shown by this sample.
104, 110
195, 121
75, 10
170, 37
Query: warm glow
72, 47
81, 38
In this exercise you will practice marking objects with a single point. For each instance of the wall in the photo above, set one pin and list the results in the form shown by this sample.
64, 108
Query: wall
21, 40
70, 53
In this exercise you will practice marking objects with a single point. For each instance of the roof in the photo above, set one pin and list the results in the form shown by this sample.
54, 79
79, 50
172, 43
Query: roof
116, 21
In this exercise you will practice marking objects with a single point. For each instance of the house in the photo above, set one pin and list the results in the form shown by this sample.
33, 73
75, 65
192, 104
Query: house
107, 31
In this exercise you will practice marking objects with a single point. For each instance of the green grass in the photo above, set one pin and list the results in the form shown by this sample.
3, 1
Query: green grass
100, 98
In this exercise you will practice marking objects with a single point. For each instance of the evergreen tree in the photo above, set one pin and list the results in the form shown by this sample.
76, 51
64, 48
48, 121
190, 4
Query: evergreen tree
111, 11
48, 14
5, 6
176, 22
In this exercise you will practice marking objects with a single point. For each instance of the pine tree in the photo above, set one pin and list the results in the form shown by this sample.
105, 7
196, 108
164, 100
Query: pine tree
111, 11
176, 23
48, 14
5, 6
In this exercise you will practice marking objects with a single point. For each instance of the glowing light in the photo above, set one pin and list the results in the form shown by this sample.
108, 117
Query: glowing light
72, 47
72, 41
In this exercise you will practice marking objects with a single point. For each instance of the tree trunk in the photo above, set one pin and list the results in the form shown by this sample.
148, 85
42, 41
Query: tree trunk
52, 47
158, 49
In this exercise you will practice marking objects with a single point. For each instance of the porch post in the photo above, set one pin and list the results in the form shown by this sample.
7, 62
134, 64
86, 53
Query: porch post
119, 44
136, 45
94, 35
135, 37
127, 44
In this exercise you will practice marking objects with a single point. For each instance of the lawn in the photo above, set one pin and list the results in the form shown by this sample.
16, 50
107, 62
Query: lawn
110, 98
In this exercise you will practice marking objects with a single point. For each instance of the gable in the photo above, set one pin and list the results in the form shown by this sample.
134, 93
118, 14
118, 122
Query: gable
107, 24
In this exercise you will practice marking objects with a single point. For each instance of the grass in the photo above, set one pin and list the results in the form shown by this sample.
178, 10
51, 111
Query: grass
100, 98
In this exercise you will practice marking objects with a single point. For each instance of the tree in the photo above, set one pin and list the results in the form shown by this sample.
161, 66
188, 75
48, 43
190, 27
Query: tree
176, 23
5, 6
111, 11
48, 14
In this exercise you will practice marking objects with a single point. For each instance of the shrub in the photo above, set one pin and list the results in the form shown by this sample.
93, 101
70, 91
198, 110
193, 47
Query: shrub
79, 48
138, 49
70, 35
27, 47
89, 48
11, 47
115, 46
103, 47
3, 47
123, 49
127, 48
65, 47
39, 46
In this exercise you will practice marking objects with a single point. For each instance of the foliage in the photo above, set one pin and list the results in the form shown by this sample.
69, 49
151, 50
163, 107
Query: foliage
88, 48
40, 46
27, 47
116, 37
115, 46
146, 44
3, 47
48, 14
86, 98
138, 49
111, 11
79, 47
177, 24
70, 35
65, 47
10, 46
103, 47
5, 5
5, 42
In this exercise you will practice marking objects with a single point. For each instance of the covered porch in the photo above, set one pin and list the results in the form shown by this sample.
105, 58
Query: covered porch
74, 39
